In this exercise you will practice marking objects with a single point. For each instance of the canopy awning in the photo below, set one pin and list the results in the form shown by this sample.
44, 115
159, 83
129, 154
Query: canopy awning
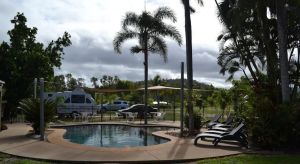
159, 87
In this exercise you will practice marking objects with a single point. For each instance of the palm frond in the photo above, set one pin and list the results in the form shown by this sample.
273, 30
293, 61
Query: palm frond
165, 13
121, 37
136, 49
169, 31
131, 19
200, 2
158, 45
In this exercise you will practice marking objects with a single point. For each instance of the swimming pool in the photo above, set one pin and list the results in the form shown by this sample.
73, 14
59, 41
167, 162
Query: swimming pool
114, 135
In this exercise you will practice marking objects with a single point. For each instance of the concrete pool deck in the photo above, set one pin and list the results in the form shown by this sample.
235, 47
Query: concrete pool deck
15, 141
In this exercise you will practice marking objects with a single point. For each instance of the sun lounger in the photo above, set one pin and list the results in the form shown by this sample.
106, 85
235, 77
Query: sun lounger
235, 134
227, 128
226, 124
214, 121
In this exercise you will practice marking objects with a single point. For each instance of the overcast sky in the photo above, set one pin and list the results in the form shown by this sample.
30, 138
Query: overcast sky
94, 23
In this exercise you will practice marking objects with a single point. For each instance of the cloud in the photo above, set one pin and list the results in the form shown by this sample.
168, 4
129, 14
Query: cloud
93, 24
87, 61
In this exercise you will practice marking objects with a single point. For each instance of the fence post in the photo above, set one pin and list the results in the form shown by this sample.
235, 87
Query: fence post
181, 99
42, 109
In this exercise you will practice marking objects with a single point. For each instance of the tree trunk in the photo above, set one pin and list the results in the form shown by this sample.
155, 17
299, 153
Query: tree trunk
282, 41
146, 86
189, 62
270, 51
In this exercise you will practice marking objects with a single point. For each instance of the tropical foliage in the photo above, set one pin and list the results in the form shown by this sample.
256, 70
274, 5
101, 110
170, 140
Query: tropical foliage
250, 43
31, 109
23, 58
149, 29
259, 40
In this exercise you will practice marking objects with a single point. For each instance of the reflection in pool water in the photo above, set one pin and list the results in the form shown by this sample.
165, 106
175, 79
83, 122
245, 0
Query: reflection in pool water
114, 135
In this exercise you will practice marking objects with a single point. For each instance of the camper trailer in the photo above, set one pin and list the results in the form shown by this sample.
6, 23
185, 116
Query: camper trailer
76, 101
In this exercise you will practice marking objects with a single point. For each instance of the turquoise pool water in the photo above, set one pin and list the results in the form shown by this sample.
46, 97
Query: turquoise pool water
114, 135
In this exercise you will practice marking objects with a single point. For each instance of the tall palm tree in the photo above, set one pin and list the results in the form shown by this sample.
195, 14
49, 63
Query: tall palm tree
189, 58
149, 29
94, 82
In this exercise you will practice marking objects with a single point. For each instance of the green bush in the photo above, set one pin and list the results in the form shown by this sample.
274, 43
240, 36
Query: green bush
273, 126
197, 121
31, 109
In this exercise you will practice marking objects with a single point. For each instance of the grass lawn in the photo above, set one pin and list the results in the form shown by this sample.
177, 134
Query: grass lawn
8, 159
255, 159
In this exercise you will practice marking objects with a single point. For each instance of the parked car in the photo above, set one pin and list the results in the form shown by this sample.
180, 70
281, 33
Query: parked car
116, 105
137, 108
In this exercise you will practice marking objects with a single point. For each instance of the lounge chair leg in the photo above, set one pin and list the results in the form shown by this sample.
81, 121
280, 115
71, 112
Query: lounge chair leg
195, 141
216, 142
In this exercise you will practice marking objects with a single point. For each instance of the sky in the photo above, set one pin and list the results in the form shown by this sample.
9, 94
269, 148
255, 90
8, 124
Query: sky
93, 24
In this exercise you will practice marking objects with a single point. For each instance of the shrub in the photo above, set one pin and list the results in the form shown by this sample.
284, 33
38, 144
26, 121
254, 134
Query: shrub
273, 126
197, 120
31, 109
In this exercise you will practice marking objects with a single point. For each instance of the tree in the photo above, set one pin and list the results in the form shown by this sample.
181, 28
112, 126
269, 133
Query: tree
23, 58
80, 82
149, 29
109, 81
189, 57
156, 80
94, 81
251, 38
71, 81
282, 44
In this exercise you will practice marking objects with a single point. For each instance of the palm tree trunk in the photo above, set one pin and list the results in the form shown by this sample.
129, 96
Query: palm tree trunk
146, 82
189, 62
282, 40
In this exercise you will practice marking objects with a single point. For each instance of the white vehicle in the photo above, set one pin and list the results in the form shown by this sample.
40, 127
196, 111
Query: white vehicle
76, 101
116, 105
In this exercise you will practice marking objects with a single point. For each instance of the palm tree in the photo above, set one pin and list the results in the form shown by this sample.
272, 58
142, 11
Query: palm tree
189, 57
149, 29
94, 81
156, 80
234, 44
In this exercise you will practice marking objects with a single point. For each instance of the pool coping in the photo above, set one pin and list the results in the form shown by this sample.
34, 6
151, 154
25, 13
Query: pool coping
15, 141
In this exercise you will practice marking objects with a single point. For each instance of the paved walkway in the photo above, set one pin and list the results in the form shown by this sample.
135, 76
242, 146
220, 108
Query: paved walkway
15, 141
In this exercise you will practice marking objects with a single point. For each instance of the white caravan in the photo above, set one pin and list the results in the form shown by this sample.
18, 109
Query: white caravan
76, 101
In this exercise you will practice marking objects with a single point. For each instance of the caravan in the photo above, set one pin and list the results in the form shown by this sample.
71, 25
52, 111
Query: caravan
73, 102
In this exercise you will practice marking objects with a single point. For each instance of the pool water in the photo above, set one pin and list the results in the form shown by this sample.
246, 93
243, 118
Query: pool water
114, 135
